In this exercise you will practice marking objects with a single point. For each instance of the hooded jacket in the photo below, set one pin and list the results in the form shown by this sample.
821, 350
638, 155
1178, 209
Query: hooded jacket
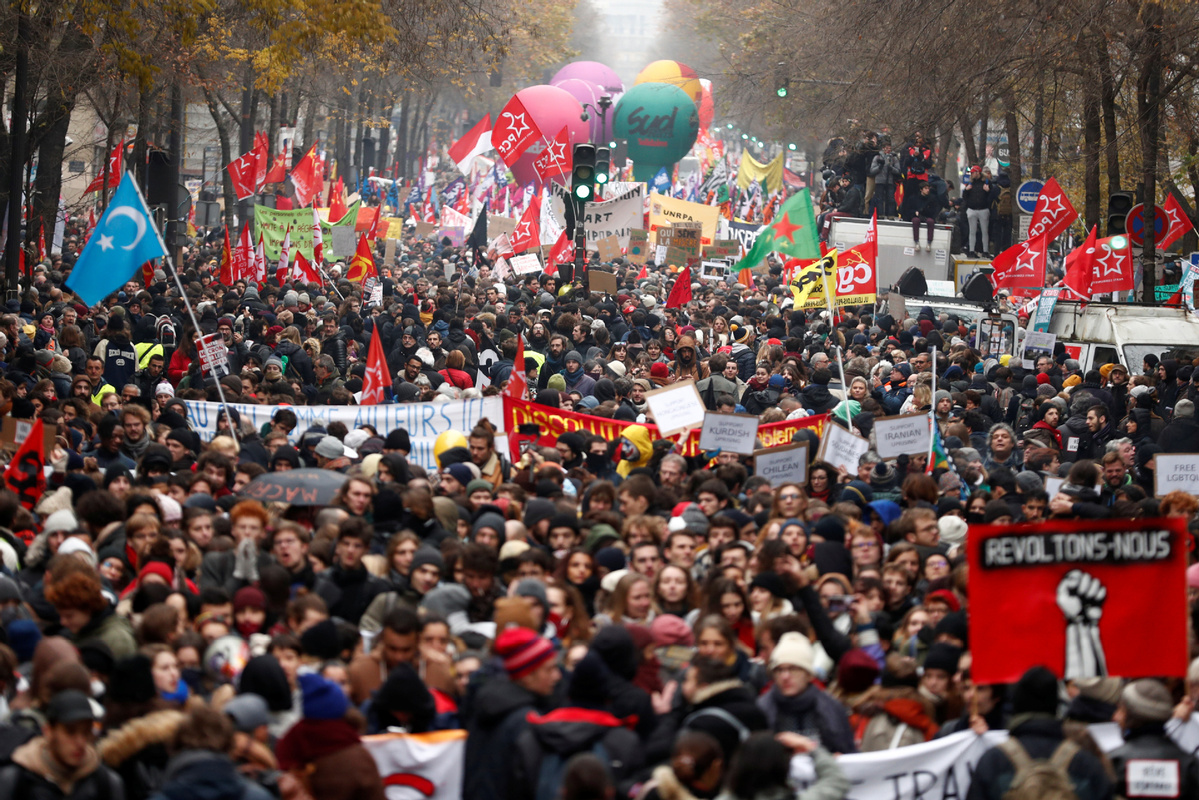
206, 775
563, 733
639, 436
496, 717
694, 369
85, 783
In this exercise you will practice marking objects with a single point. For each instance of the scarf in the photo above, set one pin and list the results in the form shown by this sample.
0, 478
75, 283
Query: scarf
572, 379
312, 739
180, 695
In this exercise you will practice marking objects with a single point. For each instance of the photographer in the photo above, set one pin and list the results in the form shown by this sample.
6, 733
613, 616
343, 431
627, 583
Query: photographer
885, 172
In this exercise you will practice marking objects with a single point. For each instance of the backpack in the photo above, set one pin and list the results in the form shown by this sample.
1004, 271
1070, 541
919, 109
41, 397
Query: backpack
553, 770
1036, 779
1024, 414
1004, 204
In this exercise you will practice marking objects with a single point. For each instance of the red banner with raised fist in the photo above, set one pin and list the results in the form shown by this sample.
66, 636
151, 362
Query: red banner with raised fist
1082, 597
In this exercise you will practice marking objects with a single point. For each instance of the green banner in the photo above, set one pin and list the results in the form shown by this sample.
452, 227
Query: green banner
272, 224
1164, 293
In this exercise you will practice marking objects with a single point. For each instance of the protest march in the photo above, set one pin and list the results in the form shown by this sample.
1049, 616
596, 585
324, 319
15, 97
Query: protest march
429, 404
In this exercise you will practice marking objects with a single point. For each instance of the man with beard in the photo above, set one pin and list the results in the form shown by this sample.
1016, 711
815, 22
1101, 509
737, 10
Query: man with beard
555, 360
686, 360
433, 342
404, 348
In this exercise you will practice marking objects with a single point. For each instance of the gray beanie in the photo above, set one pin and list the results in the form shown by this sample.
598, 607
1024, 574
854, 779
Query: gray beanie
427, 555
573, 355
330, 447
1028, 482
1184, 408
291, 299
1147, 701
275, 360
531, 587
697, 521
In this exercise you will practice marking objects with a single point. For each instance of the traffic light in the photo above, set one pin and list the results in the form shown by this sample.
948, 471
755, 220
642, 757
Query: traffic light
583, 173
784, 88
603, 164
1118, 206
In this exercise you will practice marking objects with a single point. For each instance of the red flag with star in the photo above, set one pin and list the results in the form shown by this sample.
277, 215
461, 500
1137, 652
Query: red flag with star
1021, 264
1053, 213
560, 253
114, 170
518, 384
1180, 223
556, 160
528, 230
514, 131
377, 378
1080, 267
1112, 265
793, 233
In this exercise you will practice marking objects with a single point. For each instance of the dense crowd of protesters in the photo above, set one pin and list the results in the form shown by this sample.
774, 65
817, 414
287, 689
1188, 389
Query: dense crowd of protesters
604, 618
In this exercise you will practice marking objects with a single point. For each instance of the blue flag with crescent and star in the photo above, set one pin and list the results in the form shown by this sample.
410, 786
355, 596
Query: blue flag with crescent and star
124, 239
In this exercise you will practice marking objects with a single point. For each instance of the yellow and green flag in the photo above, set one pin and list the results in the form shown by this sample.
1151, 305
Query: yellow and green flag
793, 233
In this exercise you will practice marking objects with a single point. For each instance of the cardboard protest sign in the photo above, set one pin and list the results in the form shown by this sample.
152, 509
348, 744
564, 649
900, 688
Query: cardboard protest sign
907, 434
676, 408
344, 242
389, 253
723, 248
732, 433
638, 247
14, 431
786, 464
842, 448
1075, 596
604, 282
1176, 472
425, 229
665, 210
608, 248
497, 225
526, 263
214, 353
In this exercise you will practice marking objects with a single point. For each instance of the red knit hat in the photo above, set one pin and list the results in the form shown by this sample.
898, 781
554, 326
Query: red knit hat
659, 370
945, 596
1042, 379
522, 650
157, 568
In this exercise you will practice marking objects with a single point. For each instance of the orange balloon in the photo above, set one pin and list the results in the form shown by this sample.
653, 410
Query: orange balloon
674, 73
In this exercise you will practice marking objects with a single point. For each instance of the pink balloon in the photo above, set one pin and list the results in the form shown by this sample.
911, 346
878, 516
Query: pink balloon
593, 71
590, 93
550, 108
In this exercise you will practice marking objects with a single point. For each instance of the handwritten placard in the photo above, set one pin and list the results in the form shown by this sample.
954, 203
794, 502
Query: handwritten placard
1176, 472
786, 464
676, 408
732, 433
526, 263
638, 247
608, 248
603, 282
842, 448
907, 434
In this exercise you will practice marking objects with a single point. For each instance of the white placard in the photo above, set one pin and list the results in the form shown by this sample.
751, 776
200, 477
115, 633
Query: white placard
660, 253
1176, 472
842, 448
526, 263
732, 433
907, 434
1053, 486
1153, 777
1037, 344
376, 296
786, 464
676, 408
714, 271
214, 353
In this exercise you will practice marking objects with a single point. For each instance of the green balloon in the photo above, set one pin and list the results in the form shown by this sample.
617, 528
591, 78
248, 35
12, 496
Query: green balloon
659, 121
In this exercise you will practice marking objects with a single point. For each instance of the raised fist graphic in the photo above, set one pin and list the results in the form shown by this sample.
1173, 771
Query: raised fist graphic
1081, 596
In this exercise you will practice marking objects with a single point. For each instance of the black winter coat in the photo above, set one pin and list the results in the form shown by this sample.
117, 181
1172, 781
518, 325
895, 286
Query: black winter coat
495, 718
565, 732
1040, 737
1151, 743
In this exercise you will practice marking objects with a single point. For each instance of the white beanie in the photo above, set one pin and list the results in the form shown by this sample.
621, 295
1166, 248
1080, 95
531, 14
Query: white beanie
61, 520
164, 388
953, 529
73, 544
793, 649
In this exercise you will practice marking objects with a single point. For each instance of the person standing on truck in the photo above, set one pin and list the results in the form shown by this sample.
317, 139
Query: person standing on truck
884, 170
976, 194
915, 161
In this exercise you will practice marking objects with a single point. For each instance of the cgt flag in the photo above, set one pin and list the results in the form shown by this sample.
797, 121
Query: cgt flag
376, 383
1071, 594
26, 473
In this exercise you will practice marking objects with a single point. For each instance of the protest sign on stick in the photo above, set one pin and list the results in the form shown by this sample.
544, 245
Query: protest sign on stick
906, 434
676, 408
786, 464
732, 433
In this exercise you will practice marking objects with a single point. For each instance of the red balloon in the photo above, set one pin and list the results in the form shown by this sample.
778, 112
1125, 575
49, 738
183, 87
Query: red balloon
550, 108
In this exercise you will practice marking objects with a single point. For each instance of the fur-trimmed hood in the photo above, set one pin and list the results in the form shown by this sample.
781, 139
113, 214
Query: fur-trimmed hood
136, 735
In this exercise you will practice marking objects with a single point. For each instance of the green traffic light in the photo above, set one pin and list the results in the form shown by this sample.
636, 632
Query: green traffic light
781, 91
601, 177
729, 126
582, 191
791, 146
745, 136
612, 144
1119, 242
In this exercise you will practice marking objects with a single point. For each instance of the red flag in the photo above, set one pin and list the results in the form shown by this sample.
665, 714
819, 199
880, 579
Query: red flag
560, 253
41, 244
476, 141
362, 265
377, 377
555, 161
1053, 213
372, 232
337, 203
514, 131
528, 230
644, 273
1113, 265
278, 170
680, 292
148, 273
857, 281
226, 276
1021, 264
91, 224
244, 267
241, 172
1080, 268
114, 171
26, 473
518, 384
1180, 223
303, 271
430, 207
306, 178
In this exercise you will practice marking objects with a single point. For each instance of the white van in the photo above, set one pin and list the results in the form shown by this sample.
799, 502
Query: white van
1107, 333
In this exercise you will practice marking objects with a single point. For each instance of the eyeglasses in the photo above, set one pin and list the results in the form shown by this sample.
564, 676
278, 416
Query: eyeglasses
790, 496
865, 545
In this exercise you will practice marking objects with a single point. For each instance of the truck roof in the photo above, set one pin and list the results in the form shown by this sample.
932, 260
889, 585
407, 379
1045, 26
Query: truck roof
1124, 323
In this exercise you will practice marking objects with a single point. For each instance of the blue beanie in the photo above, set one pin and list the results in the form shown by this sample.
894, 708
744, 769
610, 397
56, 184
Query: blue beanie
323, 699
23, 636
777, 382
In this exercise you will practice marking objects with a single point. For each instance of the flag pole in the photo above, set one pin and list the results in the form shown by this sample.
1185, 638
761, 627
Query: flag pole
191, 312
828, 302
932, 412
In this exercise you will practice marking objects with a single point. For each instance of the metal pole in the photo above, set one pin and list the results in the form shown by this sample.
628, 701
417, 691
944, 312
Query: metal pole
175, 145
932, 412
16, 163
